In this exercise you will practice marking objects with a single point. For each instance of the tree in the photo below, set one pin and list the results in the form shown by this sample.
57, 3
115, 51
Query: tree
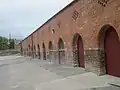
11, 44
6, 43
3, 43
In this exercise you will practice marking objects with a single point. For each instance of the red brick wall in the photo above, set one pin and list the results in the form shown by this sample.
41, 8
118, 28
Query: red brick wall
90, 19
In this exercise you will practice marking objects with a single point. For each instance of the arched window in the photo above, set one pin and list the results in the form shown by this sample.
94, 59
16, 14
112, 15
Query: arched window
60, 44
50, 45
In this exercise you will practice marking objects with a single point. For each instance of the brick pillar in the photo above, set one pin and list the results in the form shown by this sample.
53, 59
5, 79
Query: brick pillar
75, 56
69, 57
95, 61
55, 58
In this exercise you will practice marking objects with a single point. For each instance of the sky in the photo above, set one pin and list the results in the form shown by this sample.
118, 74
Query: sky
21, 17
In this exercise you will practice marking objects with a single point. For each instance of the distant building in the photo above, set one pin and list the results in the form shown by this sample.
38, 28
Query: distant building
85, 33
17, 45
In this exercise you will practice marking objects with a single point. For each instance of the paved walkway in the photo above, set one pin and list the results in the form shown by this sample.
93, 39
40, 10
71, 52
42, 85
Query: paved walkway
23, 73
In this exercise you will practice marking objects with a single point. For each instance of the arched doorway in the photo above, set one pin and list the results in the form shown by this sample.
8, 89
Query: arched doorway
21, 49
29, 50
78, 51
61, 51
34, 51
50, 51
39, 56
110, 44
44, 51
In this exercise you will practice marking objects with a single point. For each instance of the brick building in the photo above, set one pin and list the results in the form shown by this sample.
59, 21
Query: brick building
83, 34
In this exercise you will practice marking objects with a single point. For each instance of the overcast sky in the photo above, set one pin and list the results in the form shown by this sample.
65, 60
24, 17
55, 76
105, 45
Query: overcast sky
22, 17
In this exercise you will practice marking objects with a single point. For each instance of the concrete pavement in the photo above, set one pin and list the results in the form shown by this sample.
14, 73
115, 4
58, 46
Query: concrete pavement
23, 73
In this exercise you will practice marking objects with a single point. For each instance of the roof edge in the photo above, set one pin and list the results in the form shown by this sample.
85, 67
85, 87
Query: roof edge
70, 4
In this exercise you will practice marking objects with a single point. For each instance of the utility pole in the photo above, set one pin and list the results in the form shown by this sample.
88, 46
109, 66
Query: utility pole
9, 36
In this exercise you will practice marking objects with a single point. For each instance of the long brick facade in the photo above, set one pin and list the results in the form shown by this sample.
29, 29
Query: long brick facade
86, 18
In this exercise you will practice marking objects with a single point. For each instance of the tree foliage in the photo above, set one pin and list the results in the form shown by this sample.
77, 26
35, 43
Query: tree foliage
3, 43
6, 43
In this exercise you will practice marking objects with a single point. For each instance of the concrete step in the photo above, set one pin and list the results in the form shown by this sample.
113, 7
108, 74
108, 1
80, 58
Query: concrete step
103, 88
78, 82
114, 81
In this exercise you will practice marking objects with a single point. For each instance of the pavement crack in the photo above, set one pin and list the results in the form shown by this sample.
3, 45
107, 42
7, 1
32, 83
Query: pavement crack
3, 65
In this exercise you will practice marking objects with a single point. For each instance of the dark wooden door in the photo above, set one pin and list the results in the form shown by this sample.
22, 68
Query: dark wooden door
80, 52
112, 50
